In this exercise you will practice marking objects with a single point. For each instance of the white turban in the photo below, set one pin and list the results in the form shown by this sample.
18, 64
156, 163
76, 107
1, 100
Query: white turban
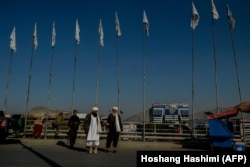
115, 108
95, 109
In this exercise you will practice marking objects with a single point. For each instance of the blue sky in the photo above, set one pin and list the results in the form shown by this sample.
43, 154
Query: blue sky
168, 54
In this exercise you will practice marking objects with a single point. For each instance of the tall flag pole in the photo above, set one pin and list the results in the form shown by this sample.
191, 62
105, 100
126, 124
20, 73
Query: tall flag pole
101, 44
53, 42
34, 47
231, 22
12, 50
118, 34
195, 18
215, 16
145, 32
77, 42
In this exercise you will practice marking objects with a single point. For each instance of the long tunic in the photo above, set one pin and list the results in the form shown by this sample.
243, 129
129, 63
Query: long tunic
93, 134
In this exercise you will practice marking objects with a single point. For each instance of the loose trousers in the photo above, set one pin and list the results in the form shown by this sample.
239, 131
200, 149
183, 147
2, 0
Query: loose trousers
112, 137
72, 137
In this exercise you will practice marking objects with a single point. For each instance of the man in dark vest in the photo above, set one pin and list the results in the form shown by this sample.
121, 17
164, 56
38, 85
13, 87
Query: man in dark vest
73, 125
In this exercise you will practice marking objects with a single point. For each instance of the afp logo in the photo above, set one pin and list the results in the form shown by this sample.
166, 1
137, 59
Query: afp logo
234, 158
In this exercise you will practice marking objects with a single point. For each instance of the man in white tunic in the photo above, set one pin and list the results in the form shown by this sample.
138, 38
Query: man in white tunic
93, 128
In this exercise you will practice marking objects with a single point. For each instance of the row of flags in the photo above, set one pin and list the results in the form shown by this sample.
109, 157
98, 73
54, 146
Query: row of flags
77, 32
196, 17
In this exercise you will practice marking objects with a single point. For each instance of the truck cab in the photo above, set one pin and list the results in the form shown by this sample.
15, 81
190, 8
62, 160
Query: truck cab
157, 112
183, 114
169, 113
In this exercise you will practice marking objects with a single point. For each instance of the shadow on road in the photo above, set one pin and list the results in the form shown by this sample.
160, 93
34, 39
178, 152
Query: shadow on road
11, 141
44, 158
63, 144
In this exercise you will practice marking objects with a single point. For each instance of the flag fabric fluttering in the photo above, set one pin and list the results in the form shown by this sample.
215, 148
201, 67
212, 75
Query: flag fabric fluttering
117, 26
53, 39
214, 11
35, 40
13, 40
100, 30
145, 22
77, 33
230, 18
195, 17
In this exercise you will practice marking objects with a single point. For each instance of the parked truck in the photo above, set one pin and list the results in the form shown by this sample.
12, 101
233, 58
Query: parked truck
169, 113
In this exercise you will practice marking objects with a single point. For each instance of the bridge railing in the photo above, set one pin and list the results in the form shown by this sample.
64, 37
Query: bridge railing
134, 131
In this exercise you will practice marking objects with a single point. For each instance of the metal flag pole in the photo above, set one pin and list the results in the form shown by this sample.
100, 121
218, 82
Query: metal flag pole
101, 43
145, 32
118, 34
28, 91
118, 75
34, 46
238, 81
231, 27
12, 49
215, 68
97, 75
74, 79
193, 127
7, 84
144, 83
49, 88
231, 22
50, 75
77, 42
194, 22
236, 66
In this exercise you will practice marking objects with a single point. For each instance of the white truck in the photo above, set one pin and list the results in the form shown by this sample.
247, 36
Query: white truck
169, 113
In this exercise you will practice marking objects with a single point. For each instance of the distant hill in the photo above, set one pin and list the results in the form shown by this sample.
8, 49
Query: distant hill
42, 110
138, 117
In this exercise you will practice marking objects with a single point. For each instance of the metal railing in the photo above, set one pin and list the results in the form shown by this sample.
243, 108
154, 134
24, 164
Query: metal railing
153, 131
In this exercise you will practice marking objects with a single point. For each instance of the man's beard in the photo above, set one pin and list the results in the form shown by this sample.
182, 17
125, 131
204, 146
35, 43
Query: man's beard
94, 114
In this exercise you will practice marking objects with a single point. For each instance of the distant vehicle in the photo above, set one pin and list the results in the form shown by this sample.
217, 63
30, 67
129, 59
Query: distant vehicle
182, 110
3, 127
169, 113
157, 111
103, 122
16, 124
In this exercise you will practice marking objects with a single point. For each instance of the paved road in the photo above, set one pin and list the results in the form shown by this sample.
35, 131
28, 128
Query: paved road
50, 152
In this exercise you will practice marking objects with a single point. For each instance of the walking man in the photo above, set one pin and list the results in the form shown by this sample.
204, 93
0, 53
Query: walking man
73, 125
114, 127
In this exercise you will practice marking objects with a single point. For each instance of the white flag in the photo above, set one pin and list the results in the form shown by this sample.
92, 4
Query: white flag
214, 11
145, 22
35, 40
77, 34
230, 18
53, 39
117, 26
195, 17
13, 40
100, 30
